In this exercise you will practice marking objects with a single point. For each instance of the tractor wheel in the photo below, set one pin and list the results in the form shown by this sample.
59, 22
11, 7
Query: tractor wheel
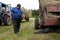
37, 24
0, 22
7, 20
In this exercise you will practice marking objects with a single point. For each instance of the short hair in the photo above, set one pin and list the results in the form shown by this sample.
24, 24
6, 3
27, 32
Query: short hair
18, 5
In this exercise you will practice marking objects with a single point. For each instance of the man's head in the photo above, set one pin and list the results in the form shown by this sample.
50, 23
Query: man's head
18, 6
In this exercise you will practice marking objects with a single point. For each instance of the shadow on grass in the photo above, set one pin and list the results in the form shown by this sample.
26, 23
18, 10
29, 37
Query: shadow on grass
54, 29
5, 25
2, 25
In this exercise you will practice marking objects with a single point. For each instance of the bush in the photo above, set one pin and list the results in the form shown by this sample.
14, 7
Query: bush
35, 13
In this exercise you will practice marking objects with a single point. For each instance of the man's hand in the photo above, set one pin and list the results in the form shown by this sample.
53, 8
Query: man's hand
10, 17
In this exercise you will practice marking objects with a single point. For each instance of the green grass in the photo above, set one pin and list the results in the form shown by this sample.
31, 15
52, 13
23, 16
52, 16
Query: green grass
35, 16
26, 33
4, 28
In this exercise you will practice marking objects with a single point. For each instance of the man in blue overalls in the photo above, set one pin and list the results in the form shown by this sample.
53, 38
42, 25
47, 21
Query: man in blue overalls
16, 16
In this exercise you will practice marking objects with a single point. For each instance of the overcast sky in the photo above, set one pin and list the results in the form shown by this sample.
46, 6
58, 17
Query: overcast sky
29, 4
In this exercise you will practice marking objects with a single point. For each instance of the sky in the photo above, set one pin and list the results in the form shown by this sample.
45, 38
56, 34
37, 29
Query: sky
28, 4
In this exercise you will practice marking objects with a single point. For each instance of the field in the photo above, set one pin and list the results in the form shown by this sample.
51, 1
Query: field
26, 33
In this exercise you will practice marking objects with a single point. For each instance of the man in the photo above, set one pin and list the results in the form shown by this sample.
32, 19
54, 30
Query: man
16, 15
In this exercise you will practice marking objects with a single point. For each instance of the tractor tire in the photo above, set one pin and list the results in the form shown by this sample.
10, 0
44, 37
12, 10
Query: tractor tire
7, 20
0, 22
37, 24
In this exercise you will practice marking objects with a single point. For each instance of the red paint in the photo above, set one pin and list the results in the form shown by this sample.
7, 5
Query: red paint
50, 21
53, 8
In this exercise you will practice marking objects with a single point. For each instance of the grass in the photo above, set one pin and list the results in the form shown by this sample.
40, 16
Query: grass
4, 28
26, 33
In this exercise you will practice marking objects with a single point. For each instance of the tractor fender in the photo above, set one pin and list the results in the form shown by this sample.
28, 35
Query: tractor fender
5, 14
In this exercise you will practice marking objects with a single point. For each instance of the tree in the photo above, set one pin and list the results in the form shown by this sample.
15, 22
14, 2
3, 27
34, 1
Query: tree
35, 13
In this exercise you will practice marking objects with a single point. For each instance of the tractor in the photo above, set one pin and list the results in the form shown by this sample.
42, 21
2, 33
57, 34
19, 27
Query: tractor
4, 14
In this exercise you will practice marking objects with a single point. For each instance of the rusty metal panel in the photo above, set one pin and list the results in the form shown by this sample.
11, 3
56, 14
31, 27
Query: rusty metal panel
51, 8
50, 21
58, 8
